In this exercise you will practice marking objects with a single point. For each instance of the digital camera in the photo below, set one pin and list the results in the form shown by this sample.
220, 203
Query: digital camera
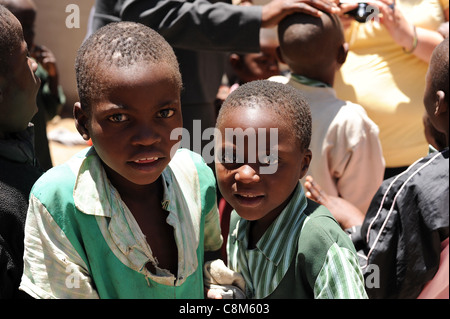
361, 13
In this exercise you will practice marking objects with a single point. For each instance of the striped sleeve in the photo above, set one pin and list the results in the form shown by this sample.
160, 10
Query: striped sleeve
52, 266
340, 276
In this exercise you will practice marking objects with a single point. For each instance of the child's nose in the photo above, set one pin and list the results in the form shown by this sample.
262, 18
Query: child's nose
247, 174
145, 135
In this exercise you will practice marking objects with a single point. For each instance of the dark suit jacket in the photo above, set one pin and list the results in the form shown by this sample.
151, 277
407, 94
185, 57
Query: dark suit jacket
200, 31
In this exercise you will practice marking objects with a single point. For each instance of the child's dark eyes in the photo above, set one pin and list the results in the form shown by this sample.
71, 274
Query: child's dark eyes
268, 160
229, 158
118, 118
166, 113
263, 61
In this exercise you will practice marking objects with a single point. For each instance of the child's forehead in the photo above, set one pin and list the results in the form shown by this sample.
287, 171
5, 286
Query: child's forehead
255, 109
115, 84
108, 76
257, 117
110, 68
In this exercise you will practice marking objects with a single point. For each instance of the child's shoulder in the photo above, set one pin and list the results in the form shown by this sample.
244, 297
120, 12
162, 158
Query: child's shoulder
183, 154
188, 162
321, 230
319, 219
353, 122
354, 112
59, 179
321, 235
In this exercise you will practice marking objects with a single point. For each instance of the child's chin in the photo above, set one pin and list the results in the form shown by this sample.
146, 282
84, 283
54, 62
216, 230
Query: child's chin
250, 214
144, 180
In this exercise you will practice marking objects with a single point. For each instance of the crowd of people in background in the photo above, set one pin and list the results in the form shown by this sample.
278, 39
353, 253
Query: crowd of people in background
360, 164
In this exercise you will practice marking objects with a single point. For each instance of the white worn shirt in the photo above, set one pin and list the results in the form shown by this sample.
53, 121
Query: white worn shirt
52, 265
347, 158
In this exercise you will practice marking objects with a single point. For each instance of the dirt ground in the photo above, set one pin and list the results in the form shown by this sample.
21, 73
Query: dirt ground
60, 152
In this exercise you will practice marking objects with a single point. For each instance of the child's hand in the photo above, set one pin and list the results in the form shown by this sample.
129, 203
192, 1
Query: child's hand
395, 22
213, 294
221, 282
46, 58
346, 214
315, 193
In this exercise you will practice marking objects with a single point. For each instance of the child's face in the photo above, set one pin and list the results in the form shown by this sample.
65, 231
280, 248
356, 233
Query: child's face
258, 66
131, 123
254, 195
18, 91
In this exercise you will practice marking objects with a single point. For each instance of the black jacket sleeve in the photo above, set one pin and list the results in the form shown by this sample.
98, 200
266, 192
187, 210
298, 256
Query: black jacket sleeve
192, 25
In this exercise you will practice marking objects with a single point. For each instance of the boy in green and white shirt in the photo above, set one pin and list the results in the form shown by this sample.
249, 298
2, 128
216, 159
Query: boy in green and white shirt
284, 245
131, 217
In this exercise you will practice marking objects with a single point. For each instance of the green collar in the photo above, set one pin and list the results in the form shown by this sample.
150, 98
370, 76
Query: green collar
309, 82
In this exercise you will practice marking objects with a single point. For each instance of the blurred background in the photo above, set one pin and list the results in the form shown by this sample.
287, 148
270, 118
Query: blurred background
52, 32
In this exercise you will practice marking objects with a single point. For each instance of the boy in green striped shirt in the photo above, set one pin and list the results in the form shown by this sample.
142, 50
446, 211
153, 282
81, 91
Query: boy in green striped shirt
283, 244
132, 216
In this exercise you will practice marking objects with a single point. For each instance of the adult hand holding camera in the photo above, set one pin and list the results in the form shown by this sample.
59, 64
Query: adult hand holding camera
418, 41
395, 22
346, 6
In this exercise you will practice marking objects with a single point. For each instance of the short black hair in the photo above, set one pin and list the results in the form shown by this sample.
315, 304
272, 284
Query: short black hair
308, 42
120, 45
11, 37
285, 100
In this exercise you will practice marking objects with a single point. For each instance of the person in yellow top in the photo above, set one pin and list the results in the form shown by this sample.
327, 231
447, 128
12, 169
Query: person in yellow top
385, 72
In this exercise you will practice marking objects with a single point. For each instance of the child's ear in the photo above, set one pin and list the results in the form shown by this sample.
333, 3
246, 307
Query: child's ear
279, 55
342, 53
306, 160
441, 104
81, 121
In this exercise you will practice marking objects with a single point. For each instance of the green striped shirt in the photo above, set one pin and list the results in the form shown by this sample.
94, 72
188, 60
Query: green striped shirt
303, 254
